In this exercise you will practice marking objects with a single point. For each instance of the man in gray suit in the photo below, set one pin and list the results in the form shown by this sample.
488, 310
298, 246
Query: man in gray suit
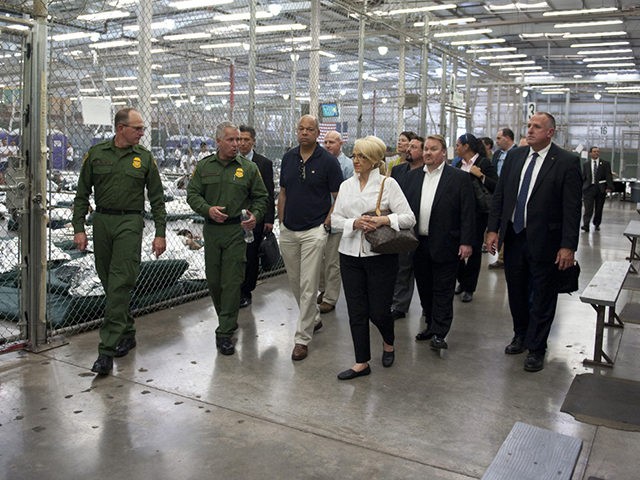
597, 181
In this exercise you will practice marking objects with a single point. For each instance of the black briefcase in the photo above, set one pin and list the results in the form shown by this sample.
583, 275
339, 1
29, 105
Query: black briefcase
568, 279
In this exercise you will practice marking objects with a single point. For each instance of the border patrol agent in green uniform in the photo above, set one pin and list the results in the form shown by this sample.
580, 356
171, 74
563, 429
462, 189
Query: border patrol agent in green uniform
222, 186
118, 171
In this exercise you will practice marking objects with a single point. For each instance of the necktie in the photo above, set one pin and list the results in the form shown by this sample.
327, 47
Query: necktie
595, 169
521, 204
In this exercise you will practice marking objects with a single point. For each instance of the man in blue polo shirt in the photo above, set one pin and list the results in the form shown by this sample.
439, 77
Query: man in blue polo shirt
309, 177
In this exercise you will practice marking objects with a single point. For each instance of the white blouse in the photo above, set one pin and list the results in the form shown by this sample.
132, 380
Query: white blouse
352, 203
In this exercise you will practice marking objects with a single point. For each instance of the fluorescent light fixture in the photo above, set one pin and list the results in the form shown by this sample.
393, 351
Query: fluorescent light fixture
187, 4
611, 65
492, 50
221, 45
242, 92
516, 6
517, 69
118, 103
594, 34
120, 79
586, 11
167, 24
577, 76
326, 54
543, 35
553, 92
229, 29
503, 57
599, 44
604, 52
171, 75
400, 11
308, 39
285, 27
88, 90
125, 89
481, 41
159, 95
238, 17
171, 85
113, 44
216, 84
450, 21
605, 59
108, 15
125, 96
462, 33
538, 76
187, 36
587, 24
510, 64
542, 87
75, 36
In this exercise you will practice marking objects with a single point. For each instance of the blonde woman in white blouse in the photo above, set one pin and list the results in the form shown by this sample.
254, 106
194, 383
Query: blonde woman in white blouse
368, 278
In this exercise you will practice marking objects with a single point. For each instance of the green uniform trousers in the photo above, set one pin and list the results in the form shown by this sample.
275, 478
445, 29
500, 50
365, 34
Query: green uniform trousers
225, 260
117, 240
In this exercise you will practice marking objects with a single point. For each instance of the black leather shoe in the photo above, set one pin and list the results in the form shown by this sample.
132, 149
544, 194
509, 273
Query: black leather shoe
515, 347
466, 297
351, 374
317, 327
388, 358
597, 228
458, 290
103, 365
585, 228
438, 343
534, 362
225, 345
245, 301
124, 345
426, 334
397, 314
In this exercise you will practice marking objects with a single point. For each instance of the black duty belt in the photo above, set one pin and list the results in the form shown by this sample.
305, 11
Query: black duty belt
113, 211
228, 221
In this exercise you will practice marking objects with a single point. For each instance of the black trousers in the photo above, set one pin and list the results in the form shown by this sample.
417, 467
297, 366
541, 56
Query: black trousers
593, 200
368, 284
436, 282
532, 289
469, 271
253, 262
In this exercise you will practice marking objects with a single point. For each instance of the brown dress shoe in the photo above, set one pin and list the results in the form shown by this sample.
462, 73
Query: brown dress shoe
320, 297
326, 307
299, 352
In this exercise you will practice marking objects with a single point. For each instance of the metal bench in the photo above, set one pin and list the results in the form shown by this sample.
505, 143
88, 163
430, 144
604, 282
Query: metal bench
632, 232
602, 293
533, 453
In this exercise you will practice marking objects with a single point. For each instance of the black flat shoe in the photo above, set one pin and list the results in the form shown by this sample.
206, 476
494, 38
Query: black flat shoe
103, 365
397, 314
351, 374
245, 301
424, 335
534, 362
388, 358
225, 345
515, 347
124, 346
458, 290
438, 343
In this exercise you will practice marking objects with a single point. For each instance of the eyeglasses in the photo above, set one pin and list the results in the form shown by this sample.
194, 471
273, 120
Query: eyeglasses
137, 129
302, 171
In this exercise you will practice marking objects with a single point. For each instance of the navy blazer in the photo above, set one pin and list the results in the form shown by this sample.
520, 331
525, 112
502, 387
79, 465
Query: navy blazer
266, 172
452, 220
555, 203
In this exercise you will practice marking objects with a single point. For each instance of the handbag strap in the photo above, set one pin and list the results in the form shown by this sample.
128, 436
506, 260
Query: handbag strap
380, 192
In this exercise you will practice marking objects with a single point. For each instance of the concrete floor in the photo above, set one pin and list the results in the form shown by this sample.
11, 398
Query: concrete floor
175, 409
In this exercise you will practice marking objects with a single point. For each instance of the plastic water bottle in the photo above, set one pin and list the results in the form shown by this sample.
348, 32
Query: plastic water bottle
248, 233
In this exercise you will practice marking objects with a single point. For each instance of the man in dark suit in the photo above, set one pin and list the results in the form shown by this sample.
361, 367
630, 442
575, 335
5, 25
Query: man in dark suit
536, 212
597, 181
245, 145
443, 202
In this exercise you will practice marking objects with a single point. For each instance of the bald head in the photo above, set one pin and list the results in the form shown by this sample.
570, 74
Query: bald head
333, 142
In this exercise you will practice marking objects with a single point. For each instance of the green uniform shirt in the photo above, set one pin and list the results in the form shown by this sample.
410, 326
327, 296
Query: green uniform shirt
235, 186
118, 177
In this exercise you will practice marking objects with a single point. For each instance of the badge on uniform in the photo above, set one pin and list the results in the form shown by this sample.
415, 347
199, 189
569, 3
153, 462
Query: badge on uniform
239, 172
137, 163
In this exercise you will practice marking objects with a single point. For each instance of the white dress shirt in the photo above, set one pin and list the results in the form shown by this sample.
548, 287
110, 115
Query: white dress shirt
352, 203
542, 154
429, 187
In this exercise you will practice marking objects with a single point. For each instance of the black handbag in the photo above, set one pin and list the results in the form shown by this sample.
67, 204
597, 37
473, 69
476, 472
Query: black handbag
568, 279
385, 239
269, 253
482, 194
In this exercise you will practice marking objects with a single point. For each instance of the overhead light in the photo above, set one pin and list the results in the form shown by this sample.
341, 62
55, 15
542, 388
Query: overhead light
187, 36
216, 84
517, 69
238, 17
509, 64
113, 44
172, 85
383, 49
167, 24
605, 59
125, 89
600, 44
480, 41
229, 29
525, 94
492, 50
597, 95
537, 76
610, 65
553, 92
516, 6
171, 75
461, 33
135, 95
187, 4
450, 21
308, 39
159, 95
75, 36
294, 57
586, 11
544, 36
604, 52
333, 67
577, 76
88, 90
221, 45
120, 79
280, 28
594, 34
503, 57
401, 11
587, 24
326, 54
108, 15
